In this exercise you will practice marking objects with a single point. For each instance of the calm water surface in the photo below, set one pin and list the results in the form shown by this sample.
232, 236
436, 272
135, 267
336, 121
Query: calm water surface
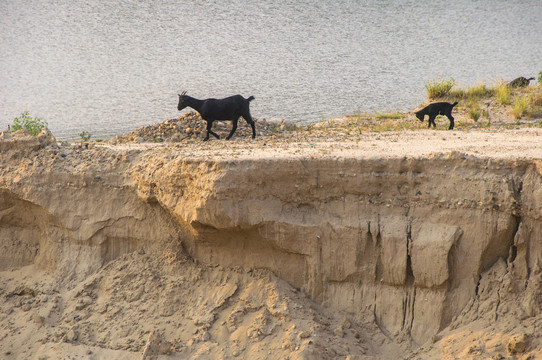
111, 66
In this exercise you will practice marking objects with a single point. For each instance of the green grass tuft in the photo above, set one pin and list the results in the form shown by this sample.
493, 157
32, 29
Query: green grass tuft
475, 113
391, 115
519, 107
476, 93
502, 94
439, 88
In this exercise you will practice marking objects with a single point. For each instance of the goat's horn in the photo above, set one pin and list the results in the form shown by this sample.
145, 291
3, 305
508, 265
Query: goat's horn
183, 93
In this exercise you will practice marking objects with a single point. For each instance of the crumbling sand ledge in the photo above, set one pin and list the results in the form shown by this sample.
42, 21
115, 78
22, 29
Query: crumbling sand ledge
420, 238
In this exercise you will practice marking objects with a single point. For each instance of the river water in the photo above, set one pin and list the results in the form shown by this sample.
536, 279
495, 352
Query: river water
108, 67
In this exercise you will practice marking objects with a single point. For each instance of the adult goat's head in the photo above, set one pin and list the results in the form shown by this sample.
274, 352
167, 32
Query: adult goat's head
182, 101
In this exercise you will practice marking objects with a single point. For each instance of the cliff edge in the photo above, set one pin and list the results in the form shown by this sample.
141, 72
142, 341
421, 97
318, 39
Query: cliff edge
424, 244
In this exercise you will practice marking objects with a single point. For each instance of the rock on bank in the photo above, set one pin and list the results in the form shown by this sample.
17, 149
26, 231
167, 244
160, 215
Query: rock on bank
422, 243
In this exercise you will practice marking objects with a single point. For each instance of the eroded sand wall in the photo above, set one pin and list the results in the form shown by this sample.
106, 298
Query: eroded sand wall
407, 238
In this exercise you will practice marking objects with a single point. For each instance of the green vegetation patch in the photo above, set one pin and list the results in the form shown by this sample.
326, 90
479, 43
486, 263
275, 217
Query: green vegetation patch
519, 101
33, 125
439, 88
476, 92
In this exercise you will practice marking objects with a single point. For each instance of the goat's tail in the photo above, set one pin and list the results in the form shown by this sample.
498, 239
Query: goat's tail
250, 98
454, 104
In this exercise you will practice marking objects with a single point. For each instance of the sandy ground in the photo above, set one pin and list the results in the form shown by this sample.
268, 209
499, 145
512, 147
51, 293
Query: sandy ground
520, 143
144, 306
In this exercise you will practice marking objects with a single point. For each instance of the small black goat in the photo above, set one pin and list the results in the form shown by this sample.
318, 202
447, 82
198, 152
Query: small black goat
435, 109
230, 108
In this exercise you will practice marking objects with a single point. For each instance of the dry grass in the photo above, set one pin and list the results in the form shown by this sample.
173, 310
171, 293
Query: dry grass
502, 94
521, 103
473, 93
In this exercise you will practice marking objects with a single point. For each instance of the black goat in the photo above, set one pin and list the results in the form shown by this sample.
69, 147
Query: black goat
435, 109
230, 108
520, 82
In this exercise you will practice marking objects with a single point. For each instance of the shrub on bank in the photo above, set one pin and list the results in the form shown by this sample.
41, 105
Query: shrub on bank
33, 125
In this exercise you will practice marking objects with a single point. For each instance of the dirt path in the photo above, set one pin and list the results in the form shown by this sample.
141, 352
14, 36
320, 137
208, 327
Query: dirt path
521, 143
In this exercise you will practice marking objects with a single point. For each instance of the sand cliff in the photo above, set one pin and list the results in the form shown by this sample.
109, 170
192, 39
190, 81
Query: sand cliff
388, 246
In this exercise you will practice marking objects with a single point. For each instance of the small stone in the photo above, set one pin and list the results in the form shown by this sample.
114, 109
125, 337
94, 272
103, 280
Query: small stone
71, 335
37, 319
45, 137
517, 344
83, 302
338, 332
26, 307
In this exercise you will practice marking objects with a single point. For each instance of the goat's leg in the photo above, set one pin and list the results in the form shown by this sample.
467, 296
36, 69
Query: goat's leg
451, 118
431, 121
249, 120
234, 127
209, 131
